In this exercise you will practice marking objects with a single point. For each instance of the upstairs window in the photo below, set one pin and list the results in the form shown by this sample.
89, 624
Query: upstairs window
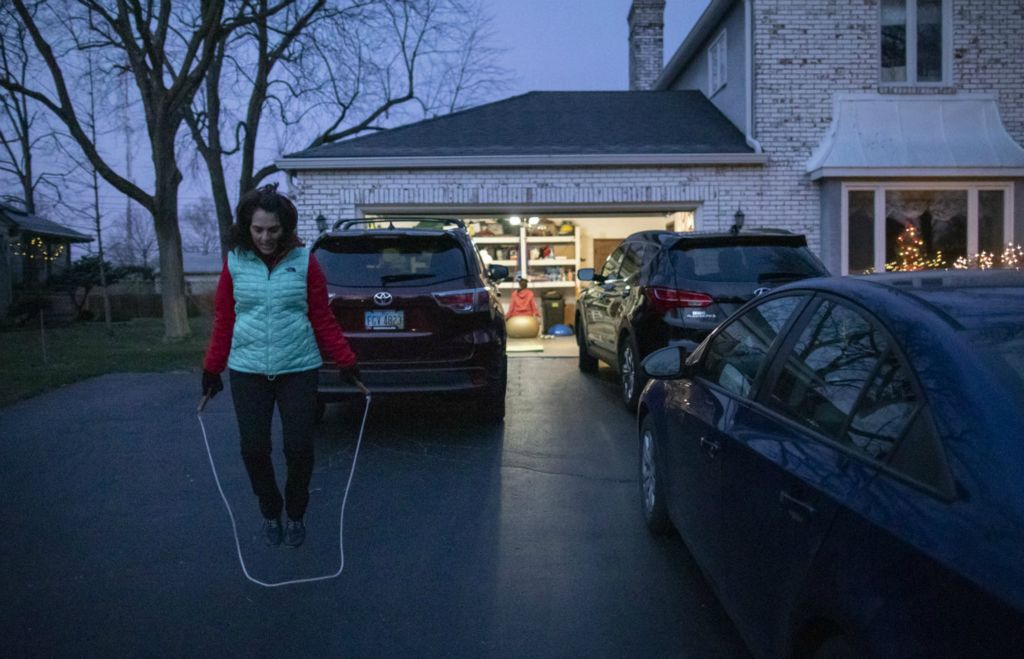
916, 41
717, 65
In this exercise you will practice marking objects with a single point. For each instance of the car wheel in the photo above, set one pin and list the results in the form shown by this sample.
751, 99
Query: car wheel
630, 376
588, 364
652, 496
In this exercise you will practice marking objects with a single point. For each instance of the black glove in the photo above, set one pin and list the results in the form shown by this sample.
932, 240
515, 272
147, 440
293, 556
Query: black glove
211, 384
349, 374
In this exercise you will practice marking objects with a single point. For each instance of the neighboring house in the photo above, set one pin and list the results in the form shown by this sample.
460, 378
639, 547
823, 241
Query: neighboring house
825, 117
32, 249
201, 272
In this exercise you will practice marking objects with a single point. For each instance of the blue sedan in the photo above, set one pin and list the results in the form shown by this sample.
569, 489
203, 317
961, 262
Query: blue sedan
844, 459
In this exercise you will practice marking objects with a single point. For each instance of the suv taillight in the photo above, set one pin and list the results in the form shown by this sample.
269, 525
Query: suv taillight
464, 301
664, 299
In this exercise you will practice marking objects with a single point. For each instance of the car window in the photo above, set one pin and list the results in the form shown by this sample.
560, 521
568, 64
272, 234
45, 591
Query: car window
375, 261
611, 265
735, 355
755, 264
826, 370
632, 259
884, 411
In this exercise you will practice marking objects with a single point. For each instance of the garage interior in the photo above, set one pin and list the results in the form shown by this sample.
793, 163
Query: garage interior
549, 248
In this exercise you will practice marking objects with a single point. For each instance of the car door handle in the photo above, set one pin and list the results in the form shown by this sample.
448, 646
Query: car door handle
710, 447
799, 510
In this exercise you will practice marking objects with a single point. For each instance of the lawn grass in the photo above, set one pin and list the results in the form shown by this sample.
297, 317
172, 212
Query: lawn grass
83, 350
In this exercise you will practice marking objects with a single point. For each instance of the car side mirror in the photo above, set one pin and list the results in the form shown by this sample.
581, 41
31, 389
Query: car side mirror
588, 274
497, 272
667, 363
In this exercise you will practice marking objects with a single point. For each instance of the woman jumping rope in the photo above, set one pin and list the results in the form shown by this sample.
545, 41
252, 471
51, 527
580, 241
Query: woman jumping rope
271, 320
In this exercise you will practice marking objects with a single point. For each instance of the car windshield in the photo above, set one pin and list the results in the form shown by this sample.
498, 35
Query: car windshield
756, 264
379, 261
993, 320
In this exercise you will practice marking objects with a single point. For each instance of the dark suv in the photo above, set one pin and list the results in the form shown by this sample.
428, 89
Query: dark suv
419, 309
661, 287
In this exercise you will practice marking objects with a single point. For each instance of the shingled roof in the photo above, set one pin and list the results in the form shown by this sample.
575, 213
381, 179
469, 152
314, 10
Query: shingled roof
41, 226
551, 127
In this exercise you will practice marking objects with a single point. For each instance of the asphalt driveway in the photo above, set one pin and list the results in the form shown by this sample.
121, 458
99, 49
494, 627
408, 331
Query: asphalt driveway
461, 540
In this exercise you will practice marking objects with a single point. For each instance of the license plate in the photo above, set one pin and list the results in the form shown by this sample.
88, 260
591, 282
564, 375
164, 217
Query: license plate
385, 320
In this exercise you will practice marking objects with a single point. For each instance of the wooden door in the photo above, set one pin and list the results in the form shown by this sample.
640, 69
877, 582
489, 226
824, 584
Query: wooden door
602, 248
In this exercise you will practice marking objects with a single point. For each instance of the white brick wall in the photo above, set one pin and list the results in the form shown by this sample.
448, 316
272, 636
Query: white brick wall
988, 55
718, 191
806, 51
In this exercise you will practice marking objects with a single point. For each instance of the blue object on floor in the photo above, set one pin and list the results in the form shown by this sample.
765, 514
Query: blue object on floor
560, 330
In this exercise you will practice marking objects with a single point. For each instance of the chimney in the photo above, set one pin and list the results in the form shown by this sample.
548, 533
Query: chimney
646, 49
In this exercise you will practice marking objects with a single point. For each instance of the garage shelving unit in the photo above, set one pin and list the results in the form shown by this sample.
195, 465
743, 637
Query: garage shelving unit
556, 269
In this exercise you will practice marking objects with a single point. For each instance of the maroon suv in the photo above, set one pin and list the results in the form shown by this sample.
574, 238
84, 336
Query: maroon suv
419, 309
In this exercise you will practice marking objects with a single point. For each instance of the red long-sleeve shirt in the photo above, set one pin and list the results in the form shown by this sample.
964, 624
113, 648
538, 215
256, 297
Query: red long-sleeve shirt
328, 334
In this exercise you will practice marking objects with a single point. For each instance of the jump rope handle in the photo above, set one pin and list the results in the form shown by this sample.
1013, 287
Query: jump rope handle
361, 387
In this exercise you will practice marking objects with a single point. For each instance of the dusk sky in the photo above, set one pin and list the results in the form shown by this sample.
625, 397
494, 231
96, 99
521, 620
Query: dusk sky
576, 44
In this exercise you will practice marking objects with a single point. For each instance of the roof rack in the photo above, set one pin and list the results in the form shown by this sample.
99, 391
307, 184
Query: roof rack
345, 225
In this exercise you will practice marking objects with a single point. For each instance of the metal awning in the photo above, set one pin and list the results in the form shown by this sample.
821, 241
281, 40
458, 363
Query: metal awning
875, 135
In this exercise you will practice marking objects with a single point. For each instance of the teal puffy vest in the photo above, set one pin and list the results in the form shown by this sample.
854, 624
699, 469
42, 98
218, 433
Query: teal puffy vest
272, 331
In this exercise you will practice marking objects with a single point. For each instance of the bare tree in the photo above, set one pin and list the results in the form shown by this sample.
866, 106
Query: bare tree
169, 49
200, 223
133, 244
23, 130
320, 72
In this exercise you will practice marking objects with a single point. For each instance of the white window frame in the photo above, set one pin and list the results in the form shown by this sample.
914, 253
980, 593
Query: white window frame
718, 64
947, 48
880, 188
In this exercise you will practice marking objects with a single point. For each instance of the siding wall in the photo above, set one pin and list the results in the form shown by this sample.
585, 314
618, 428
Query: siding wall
731, 99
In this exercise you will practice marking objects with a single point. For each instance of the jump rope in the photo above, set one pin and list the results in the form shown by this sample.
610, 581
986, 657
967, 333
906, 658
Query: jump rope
341, 516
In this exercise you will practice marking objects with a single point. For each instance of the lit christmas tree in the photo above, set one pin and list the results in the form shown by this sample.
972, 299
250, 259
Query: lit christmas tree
910, 253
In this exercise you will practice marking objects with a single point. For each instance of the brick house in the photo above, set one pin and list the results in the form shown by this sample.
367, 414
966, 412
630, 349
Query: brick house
825, 117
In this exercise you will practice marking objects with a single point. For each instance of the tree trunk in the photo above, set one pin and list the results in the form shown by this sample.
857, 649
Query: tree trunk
219, 187
168, 237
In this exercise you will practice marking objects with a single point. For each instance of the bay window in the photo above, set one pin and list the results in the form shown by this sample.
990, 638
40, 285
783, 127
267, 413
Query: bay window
914, 226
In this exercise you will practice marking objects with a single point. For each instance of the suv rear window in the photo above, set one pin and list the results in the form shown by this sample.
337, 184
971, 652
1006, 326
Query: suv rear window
374, 260
747, 263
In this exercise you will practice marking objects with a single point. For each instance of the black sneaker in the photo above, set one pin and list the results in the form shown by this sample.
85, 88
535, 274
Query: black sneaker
272, 532
294, 533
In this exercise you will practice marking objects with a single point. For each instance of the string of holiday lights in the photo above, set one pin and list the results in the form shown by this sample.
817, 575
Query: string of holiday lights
38, 250
910, 256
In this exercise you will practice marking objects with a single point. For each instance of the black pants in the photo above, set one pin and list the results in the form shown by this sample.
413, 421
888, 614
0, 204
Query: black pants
295, 396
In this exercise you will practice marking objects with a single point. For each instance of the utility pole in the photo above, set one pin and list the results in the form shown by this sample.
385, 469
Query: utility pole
129, 221
96, 198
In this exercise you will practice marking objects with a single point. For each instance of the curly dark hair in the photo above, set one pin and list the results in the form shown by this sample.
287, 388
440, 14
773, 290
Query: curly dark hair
267, 199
